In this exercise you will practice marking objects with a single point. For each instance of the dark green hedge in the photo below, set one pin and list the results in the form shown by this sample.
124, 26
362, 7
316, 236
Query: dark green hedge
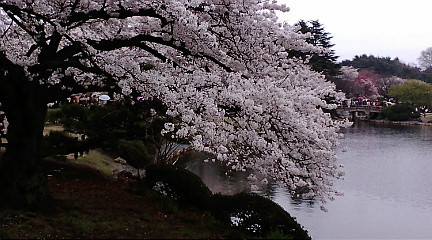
400, 112
60, 143
259, 216
178, 183
256, 215
136, 152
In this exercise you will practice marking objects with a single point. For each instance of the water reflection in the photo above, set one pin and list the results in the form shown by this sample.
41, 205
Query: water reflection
217, 177
387, 186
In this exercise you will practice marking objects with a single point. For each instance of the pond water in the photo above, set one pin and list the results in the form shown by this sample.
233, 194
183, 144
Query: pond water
387, 188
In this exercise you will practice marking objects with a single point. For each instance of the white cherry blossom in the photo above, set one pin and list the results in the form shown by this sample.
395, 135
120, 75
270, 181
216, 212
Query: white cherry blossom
220, 67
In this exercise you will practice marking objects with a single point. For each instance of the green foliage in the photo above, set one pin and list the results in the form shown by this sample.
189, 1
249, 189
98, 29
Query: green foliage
54, 115
178, 183
74, 117
105, 125
59, 143
415, 92
136, 152
132, 132
256, 215
400, 112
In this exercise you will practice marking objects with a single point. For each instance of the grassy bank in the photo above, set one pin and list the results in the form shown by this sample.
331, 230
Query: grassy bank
88, 203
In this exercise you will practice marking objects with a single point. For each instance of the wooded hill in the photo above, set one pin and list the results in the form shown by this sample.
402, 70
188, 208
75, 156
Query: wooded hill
386, 67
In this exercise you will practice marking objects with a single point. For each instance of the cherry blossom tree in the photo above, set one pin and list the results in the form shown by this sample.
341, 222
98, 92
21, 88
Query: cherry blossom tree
385, 83
220, 68
345, 81
348, 73
365, 85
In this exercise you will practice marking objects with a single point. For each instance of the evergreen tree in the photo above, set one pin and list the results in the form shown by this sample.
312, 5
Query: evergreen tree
325, 61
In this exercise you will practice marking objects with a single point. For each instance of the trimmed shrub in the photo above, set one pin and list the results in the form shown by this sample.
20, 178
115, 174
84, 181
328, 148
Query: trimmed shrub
136, 152
180, 184
400, 112
74, 117
256, 215
252, 214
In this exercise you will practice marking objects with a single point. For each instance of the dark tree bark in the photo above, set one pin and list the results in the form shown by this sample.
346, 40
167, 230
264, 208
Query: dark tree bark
23, 183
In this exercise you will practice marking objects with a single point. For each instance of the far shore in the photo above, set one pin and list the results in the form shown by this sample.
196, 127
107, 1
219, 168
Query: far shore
407, 123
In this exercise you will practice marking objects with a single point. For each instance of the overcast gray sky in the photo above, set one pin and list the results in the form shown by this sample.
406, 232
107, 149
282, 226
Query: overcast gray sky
385, 28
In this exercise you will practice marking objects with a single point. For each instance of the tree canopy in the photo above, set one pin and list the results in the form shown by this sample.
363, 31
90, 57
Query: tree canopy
220, 69
415, 92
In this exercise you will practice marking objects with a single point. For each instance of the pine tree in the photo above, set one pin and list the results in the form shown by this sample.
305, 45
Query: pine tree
325, 61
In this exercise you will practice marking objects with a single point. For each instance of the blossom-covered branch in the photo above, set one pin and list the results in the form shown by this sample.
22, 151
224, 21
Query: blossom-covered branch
221, 68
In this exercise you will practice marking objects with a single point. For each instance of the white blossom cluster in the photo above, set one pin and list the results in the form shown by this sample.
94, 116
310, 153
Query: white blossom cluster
348, 73
221, 67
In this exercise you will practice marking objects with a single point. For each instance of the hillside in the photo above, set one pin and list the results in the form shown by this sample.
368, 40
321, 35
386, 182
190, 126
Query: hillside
89, 204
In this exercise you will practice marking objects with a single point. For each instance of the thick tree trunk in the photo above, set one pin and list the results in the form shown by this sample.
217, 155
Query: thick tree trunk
23, 183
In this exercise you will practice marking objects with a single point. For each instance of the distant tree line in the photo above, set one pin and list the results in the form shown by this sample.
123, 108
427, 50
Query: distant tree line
370, 77
387, 67
327, 63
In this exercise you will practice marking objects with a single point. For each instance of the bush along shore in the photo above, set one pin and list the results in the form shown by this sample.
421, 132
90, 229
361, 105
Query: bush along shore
168, 202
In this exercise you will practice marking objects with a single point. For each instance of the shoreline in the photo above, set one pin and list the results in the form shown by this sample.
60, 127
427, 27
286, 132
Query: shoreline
406, 123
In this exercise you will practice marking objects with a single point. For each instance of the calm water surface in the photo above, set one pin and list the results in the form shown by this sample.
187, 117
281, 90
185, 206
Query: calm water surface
387, 188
